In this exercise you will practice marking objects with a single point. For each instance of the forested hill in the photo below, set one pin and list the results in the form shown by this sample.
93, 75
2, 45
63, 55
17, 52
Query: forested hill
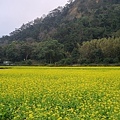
84, 19
65, 33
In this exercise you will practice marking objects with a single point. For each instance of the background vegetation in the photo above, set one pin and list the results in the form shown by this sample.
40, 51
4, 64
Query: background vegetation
81, 32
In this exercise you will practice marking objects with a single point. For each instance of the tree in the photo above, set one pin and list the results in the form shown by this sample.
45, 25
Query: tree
50, 51
75, 55
12, 52
96, 51
26, 50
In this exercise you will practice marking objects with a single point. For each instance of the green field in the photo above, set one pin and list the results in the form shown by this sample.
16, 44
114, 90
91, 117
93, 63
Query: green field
60, 93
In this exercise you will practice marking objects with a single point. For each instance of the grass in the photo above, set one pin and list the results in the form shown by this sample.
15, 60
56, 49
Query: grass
60, 93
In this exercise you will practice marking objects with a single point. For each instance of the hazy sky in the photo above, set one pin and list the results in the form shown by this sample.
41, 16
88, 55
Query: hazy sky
13, 13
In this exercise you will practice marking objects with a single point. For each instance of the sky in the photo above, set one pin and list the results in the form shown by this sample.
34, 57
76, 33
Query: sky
13, 13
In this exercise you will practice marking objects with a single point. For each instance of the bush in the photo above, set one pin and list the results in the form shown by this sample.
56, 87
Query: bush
67, 61
108, 60
29, 62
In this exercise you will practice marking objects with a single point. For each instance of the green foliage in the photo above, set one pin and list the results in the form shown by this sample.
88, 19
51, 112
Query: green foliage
49, 51
102, 50
96, 51
57, 37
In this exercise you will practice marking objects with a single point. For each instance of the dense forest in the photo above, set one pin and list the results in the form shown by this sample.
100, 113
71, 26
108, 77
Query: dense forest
81, 32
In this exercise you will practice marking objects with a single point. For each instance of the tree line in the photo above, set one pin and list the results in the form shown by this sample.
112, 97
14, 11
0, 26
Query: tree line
98, 51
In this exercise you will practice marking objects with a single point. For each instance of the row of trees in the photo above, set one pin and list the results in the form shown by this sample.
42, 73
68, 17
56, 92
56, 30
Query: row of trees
101, 51
52, 52
44, 52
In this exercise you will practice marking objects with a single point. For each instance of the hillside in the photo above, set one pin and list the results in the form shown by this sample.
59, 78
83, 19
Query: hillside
59, 36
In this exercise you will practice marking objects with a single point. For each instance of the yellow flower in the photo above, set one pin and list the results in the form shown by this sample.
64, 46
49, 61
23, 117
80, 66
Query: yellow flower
60, 118
31, 115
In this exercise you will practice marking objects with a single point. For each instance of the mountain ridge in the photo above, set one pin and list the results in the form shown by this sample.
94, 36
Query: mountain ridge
74, 10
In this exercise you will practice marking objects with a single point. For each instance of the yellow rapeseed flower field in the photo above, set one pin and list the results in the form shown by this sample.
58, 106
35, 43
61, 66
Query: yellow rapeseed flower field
60, 93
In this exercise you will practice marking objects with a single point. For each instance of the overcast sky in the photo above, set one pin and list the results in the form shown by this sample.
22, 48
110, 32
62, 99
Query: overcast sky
13, 13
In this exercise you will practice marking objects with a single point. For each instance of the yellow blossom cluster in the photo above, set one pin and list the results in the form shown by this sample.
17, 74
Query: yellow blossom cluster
60, 93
